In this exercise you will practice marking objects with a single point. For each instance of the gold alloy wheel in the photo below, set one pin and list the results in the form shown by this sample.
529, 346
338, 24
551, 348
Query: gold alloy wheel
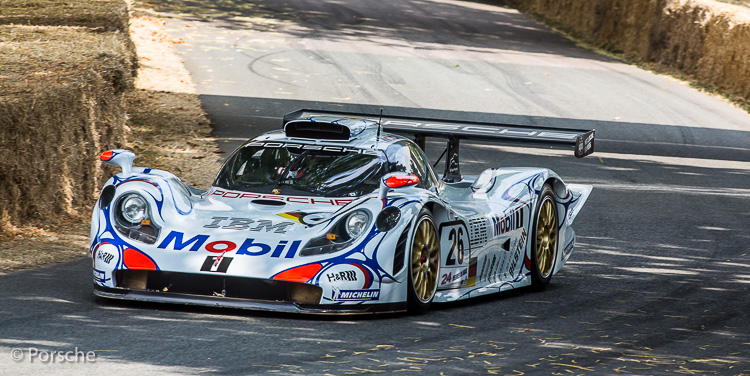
425, 254
546, 236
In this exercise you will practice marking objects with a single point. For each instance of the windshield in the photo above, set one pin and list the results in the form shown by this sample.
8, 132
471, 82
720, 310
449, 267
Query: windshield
295, 169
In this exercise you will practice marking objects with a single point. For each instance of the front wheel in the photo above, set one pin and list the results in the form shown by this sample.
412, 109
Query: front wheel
544, 240
424, 261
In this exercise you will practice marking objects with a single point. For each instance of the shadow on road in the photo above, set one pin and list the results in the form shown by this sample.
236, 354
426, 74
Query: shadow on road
422, 26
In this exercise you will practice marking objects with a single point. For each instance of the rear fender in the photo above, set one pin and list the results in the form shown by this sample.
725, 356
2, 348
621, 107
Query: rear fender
569, 205
524, 186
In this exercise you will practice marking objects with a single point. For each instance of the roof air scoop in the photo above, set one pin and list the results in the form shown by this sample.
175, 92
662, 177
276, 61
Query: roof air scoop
317, 130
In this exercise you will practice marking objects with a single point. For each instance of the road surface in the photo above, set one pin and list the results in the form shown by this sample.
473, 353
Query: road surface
657, 285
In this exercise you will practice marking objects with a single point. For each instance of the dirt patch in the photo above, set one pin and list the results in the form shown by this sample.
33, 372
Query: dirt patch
35, 246
160, 67
167, 130
171, 133
170, 129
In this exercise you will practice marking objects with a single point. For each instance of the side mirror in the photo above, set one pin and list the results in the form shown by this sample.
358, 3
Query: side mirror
389, 217
119, 157
395, 180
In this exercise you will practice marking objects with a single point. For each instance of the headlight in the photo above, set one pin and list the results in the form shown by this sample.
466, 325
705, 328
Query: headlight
341, 235
134, 208
133, 218
356, 223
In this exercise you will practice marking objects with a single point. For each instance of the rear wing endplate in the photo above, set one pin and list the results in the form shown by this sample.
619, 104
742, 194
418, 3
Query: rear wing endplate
582, 141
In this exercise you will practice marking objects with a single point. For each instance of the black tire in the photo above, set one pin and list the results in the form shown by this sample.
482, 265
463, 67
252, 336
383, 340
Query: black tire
544, 239
424, 264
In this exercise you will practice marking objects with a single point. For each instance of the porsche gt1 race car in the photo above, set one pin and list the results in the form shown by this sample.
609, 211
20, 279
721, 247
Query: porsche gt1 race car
338, 213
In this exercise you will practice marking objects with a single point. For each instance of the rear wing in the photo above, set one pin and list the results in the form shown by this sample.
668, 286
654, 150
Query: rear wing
582, 141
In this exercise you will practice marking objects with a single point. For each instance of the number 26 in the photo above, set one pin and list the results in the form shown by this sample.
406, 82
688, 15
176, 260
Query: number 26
457, 247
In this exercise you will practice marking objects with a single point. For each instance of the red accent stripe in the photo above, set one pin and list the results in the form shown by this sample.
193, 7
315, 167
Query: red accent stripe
367, 275
135, 259
301, 274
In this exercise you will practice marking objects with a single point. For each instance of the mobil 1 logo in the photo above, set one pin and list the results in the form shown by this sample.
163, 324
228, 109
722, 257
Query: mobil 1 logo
218, 264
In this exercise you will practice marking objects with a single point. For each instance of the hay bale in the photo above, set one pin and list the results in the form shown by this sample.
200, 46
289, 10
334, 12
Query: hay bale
105, 15
61, 103
707, 40
96, 15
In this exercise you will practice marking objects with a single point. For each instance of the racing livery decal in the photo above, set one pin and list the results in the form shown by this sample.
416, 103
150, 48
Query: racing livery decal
308, 219
218, 264
355, 295
258, 225
250, 246
335, 201
503, 223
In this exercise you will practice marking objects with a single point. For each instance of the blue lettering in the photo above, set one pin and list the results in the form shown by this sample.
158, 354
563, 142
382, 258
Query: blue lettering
198, 241
279, 249
250, 247
293, 249
250, 243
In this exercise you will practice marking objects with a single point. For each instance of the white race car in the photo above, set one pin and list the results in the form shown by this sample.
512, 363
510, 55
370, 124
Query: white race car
337, 214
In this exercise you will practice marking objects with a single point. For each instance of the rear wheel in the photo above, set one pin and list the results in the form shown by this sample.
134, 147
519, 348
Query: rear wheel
544, 240
424, 261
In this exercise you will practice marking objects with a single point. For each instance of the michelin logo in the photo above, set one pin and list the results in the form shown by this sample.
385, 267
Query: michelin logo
356, 295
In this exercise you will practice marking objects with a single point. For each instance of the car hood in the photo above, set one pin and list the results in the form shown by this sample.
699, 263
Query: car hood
241, 214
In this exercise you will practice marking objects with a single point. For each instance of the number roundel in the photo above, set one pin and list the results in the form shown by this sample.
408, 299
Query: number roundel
456, 252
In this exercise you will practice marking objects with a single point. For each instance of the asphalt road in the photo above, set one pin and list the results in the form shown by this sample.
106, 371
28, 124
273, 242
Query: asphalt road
657, 285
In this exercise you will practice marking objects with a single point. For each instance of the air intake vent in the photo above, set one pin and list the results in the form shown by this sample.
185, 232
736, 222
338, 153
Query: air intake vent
477, 232
317, 130
398, 257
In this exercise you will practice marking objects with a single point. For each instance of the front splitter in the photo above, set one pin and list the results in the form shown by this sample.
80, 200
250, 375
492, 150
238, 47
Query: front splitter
246, 304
